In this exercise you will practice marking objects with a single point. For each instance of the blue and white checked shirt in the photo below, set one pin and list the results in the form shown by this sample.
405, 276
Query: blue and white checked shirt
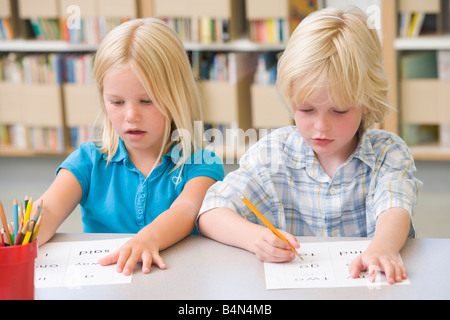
282, 177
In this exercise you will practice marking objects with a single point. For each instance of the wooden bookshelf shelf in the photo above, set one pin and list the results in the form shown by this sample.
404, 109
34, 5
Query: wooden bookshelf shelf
44, 46
241, 45
431, 152
423, 43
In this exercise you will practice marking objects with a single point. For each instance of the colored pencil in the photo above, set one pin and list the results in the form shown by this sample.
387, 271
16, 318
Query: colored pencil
27, 237
5, 225
36, 228
16, 218
268, 224
22, 233
29, 207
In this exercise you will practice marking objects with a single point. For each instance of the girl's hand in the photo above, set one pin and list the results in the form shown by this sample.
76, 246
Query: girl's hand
375, 261
270, 248
133, 251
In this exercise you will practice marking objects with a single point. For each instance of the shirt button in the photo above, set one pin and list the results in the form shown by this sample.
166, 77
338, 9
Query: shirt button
333, 191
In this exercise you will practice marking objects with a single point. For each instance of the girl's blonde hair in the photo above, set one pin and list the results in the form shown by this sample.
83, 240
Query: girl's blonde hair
156, 55
336, 48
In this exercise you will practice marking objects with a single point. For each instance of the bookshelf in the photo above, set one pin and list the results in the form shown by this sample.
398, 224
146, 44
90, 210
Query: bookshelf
59, 105
421, 87
241, 103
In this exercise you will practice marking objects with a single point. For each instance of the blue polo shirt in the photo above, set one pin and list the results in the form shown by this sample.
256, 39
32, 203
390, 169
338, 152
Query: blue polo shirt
118, 198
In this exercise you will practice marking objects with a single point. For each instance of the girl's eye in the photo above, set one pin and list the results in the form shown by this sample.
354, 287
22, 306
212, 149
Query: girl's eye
147, 101
117, 103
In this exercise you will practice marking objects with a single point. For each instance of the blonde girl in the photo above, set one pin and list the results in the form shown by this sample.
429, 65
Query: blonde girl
148, 175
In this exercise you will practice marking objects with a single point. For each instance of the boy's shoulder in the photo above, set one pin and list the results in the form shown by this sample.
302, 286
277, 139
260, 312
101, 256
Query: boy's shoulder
277, 146
282, 136
382, 138
387, 145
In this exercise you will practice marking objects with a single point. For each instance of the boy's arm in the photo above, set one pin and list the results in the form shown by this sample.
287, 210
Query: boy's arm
390, 235
226, 226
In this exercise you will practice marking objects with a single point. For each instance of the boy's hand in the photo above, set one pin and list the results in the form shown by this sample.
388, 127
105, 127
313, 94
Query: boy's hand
133, 251
375, 261
270, 248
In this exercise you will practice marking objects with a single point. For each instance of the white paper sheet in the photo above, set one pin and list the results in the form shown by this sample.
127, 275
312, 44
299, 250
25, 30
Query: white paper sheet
324, 265
75, 264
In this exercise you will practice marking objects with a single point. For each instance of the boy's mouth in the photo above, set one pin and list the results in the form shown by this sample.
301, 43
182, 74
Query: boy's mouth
322, 142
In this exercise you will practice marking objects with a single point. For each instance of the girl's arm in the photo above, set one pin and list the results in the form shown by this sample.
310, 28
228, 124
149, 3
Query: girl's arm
167, 229
60, 199
382, 254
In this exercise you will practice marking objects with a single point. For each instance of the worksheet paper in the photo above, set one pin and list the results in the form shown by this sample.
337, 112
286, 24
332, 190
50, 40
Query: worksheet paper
75, 264
324, 265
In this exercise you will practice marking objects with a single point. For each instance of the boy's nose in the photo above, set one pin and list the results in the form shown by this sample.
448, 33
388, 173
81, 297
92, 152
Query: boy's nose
322, 124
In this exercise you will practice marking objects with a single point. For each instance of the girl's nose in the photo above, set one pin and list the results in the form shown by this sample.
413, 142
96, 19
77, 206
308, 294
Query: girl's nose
132, 113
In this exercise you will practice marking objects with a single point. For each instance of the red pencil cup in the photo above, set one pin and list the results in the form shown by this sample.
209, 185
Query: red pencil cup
17, 272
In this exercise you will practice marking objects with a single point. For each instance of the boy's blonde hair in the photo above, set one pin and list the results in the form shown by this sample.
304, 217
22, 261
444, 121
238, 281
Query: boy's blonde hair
337, 49
156, 55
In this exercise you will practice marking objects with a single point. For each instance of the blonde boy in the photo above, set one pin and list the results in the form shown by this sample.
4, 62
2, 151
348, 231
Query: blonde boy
330, 175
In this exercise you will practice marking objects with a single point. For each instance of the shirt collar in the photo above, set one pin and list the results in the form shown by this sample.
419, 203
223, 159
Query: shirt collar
122, 153
299, 154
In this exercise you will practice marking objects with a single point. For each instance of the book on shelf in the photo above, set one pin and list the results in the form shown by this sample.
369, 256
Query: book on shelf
90, 30
419, 65
203, 30
266, 70
45, 29
413, 24
277, 29
223, 66
443, 58
6, 30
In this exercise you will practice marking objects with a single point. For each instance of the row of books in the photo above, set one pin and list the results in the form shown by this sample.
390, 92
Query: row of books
414, 24
39, 139
80, 134
53, 68
89, 30
201, 30
266, 70
223, 67
269, 31
86, 30
6, 31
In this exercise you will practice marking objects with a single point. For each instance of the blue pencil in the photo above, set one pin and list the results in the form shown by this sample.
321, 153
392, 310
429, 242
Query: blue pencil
16, 219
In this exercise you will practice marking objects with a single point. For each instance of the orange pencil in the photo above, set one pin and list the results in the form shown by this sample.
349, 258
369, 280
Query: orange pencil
5, 224
268, 224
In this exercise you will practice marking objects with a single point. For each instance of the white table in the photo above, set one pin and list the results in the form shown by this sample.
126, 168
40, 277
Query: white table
202, 269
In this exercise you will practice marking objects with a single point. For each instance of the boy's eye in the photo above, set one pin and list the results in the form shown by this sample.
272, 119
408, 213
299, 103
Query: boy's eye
340, 111
306, 110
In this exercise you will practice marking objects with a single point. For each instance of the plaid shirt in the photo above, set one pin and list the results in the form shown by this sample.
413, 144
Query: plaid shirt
282, 177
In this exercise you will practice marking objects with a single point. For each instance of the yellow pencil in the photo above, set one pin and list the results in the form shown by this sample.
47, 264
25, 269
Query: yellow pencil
27, 238
29, 207
36, 229
268, 224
